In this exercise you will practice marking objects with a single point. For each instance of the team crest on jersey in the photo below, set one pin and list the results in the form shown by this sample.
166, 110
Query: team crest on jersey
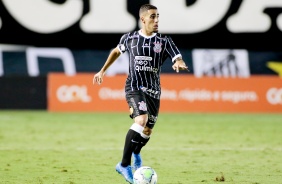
158, 47
142, 106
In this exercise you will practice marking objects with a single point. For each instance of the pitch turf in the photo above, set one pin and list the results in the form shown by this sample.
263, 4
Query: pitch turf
38, 147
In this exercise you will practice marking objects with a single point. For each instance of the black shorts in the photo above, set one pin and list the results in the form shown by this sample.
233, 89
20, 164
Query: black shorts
140, 103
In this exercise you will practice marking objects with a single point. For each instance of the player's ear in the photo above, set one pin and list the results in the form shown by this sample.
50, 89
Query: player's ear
142, 20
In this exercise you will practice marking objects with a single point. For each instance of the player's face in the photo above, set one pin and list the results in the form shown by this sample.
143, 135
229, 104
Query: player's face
152, 21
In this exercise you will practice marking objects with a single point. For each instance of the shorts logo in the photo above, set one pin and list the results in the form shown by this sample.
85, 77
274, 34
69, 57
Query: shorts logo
158, 47
153, 118
142, 106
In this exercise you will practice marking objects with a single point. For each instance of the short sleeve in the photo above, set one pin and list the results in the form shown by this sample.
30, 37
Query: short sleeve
122, 47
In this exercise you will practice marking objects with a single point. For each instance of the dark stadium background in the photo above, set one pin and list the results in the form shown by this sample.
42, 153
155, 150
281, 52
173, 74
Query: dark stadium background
73, 37
20, 91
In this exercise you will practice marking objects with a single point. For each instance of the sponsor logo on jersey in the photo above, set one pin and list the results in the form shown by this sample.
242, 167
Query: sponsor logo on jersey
146, 69
146, 58
142, 62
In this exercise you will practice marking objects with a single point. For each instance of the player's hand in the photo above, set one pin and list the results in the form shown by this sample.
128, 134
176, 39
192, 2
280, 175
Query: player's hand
98, 78
179, 65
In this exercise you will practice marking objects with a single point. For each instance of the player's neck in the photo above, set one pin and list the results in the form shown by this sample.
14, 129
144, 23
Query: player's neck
146, 35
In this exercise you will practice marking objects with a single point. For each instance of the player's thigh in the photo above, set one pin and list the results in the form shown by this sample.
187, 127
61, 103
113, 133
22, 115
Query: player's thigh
136, 101
153, 105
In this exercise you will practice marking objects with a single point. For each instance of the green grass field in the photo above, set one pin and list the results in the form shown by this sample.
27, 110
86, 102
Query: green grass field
39, 147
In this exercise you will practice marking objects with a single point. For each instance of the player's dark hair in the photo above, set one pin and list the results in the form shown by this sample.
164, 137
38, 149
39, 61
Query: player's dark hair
146, 7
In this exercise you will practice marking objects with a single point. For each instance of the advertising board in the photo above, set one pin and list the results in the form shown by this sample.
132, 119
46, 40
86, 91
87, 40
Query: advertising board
180, 93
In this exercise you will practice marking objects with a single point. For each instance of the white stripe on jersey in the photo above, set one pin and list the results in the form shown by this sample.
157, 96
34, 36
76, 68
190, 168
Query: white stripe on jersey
142, 71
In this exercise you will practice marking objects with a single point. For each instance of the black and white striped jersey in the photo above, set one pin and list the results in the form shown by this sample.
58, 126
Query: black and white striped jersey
146, 57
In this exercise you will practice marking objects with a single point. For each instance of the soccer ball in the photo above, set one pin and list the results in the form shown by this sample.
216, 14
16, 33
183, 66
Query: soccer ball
145, 175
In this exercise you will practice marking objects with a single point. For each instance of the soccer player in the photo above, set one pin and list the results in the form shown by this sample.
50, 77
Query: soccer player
147, 51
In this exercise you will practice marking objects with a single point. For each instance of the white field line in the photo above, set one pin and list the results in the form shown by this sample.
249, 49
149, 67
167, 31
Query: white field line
147, 148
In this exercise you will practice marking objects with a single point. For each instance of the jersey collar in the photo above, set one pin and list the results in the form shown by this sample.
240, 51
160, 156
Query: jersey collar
154, 34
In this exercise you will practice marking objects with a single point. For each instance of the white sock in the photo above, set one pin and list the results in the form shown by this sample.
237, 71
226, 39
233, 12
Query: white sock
137, 128
144, 135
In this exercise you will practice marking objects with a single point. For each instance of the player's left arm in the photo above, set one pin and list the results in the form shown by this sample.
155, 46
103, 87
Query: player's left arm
174, 53
179, 64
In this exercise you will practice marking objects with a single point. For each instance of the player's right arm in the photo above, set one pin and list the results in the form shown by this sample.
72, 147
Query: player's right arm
114, 54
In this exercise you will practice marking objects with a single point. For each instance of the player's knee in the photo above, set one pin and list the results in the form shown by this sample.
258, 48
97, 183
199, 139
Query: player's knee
147, 131
141, 119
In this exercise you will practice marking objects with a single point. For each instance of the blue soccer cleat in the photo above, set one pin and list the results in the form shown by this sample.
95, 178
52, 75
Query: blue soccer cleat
126, 172
137, 161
